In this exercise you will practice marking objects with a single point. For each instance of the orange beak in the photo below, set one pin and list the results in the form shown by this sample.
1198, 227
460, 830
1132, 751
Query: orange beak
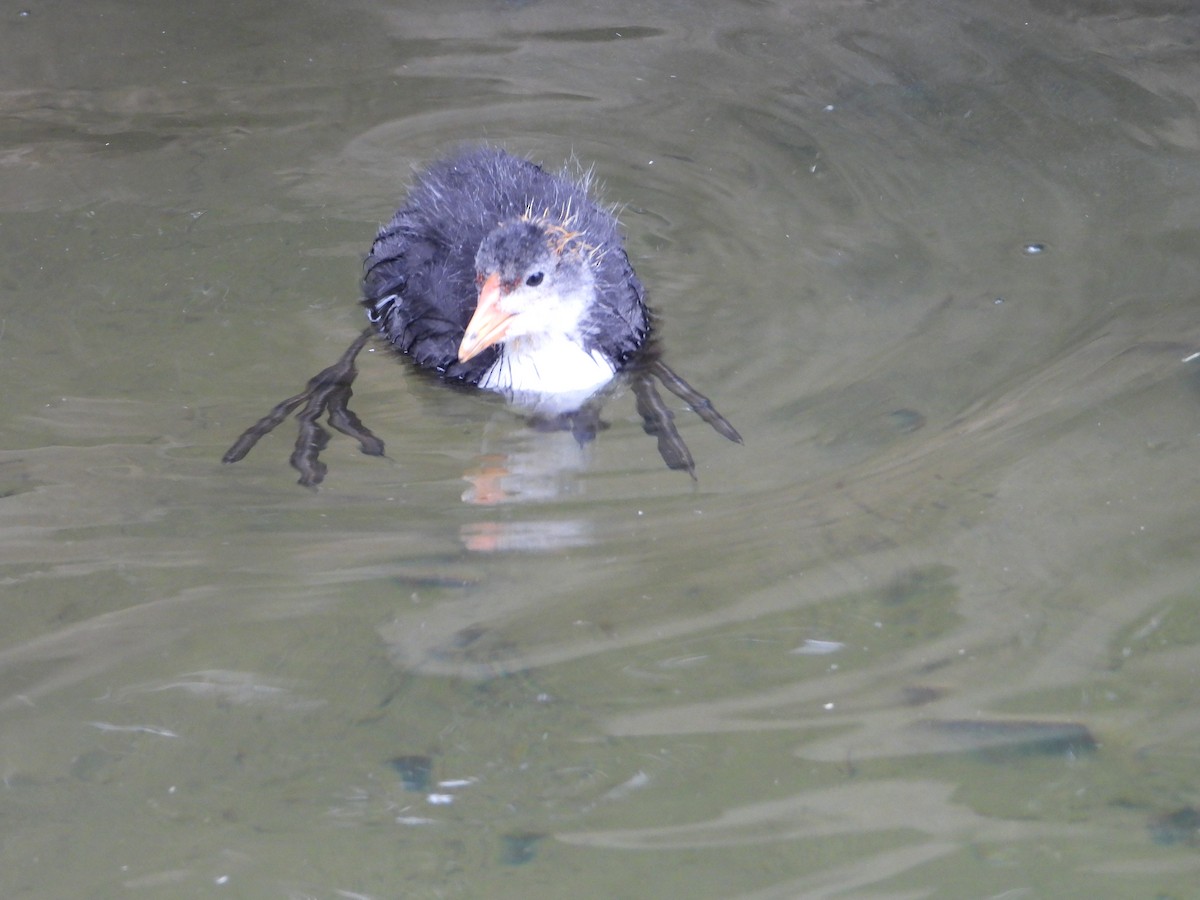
488, 325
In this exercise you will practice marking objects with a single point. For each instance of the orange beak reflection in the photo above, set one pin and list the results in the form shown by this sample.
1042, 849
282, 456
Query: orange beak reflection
488, 325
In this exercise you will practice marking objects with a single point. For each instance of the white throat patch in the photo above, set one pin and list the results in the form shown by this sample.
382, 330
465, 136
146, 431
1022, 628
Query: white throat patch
547, 365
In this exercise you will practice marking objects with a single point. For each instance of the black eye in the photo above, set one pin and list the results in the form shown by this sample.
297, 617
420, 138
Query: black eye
535, 279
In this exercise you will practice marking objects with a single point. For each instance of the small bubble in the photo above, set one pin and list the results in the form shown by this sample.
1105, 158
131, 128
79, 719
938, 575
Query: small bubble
1034, 249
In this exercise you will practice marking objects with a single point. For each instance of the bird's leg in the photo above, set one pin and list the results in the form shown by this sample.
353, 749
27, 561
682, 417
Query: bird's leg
328, 391
245, 443
344, 420
311, 440
698, 402
657, 421
583, 423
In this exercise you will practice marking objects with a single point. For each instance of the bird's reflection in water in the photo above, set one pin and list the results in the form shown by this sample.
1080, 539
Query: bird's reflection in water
540, 535
544, 468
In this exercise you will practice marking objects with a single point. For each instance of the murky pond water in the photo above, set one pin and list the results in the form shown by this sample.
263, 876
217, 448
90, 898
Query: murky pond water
931, 632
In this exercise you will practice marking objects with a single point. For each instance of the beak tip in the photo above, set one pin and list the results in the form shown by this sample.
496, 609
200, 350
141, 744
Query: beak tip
488, 324
470, 346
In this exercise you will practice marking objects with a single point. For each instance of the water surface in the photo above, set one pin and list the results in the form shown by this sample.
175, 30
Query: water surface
929, 633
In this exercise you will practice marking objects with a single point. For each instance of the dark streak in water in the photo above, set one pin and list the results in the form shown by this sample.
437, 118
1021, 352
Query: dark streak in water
1003, 737
1180, 826
519, 848
416, 772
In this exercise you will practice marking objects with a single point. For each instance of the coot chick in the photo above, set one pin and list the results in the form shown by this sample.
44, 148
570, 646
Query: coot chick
500, 275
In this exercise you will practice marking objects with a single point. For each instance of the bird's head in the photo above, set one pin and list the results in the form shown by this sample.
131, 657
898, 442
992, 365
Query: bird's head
534, 280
